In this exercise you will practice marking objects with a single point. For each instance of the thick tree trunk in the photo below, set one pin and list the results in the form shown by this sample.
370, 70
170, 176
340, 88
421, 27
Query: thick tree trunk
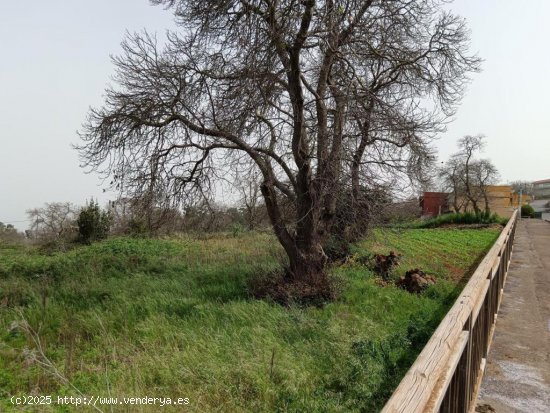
304, 249
308, 264
308, 260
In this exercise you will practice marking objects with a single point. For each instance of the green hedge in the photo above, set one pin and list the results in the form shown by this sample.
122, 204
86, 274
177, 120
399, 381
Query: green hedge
463, 218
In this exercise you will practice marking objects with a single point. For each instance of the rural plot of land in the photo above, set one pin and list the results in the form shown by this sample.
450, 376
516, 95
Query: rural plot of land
446, 253
173, 318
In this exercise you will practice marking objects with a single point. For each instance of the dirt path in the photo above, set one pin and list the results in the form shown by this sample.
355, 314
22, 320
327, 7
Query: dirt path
517, 376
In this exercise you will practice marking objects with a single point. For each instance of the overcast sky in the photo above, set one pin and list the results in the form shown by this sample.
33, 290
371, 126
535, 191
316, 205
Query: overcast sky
54, 64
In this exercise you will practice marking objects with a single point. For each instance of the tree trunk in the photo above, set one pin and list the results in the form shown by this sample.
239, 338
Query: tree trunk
475, 206
308, 264
250, 217
456, 207
304, 249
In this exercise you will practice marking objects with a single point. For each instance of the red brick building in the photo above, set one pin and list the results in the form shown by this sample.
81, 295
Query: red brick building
434, 203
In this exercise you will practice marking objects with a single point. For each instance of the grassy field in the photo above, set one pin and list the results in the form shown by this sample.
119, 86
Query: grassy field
172, 318
447, 254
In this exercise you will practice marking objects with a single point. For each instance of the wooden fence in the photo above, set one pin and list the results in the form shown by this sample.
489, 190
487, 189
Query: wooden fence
447, 374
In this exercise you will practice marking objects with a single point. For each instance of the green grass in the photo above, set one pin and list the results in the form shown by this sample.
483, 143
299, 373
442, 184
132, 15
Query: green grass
449, 254
172, 318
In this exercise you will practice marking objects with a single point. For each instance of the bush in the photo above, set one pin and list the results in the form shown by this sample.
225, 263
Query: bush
354, 218
93, 224
463, 218
527, 211
337, 248
137, 228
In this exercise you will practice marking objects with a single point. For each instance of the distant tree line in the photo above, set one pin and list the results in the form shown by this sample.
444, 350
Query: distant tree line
9, 233
57, 225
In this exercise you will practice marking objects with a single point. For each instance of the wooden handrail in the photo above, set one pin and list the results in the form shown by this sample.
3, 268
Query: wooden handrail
447, 373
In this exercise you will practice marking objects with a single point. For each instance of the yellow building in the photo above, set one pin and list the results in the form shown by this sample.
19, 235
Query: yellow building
502, 200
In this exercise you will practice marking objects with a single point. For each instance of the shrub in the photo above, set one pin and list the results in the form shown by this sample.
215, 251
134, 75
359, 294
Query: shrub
236, 229
463, 218
93, 224
527, 211
354, 218
137, 227
337, 248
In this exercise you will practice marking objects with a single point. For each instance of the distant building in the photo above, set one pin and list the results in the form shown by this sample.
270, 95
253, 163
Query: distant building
502, 201
541, 189
541, 205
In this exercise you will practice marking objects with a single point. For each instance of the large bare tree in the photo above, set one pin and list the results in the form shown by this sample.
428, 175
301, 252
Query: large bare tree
317, 95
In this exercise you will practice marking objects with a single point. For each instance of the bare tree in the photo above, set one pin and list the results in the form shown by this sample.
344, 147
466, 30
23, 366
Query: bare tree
248, 187
484, 174
469, 145
53, 222
451, 175
468, 178
316, 95
130, 215
526, 187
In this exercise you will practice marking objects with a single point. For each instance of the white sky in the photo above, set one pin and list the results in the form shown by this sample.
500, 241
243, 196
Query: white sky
54, 64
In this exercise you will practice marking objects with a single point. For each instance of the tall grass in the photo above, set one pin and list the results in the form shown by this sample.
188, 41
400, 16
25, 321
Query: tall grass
172, 318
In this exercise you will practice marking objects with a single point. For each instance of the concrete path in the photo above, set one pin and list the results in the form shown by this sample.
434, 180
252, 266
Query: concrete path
517, 375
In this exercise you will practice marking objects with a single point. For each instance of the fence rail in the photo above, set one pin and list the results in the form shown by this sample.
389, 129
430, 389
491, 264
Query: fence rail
447, 374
